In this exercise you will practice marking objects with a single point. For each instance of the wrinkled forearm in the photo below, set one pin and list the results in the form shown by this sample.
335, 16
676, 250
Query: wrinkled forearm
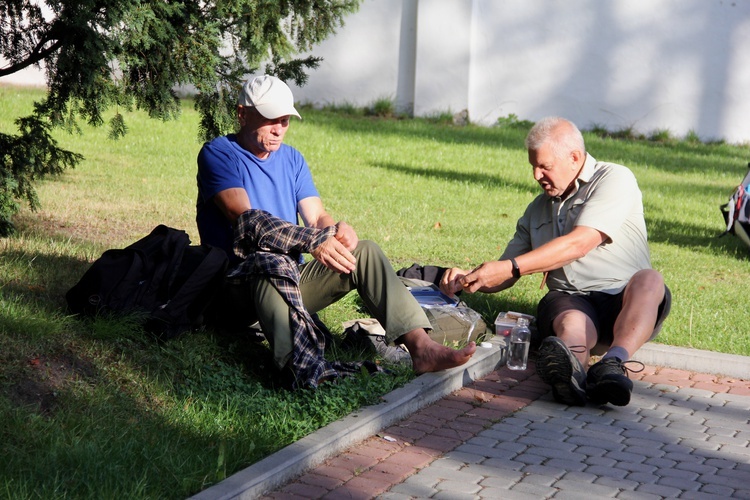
560, 251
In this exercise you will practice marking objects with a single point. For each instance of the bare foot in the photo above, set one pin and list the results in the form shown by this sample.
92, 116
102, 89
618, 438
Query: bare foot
429, 356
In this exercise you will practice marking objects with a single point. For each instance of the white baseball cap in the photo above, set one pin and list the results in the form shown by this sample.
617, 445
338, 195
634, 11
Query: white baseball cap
269, 95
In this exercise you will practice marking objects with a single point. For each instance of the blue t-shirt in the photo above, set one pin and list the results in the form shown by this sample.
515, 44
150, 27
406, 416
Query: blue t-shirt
275, 184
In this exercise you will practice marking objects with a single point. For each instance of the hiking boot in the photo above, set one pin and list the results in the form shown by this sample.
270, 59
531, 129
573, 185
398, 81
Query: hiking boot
608, 382
558, 367
367, 335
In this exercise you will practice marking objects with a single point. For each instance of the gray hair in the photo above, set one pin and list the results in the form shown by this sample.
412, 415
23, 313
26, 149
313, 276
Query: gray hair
561, 134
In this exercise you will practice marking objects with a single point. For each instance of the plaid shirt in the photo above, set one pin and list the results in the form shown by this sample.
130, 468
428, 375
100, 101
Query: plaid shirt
271, 247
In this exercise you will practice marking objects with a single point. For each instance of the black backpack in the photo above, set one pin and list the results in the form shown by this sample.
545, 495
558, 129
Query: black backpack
161, 277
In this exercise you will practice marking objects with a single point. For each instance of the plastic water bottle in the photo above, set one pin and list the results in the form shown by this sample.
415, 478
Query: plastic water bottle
520, 337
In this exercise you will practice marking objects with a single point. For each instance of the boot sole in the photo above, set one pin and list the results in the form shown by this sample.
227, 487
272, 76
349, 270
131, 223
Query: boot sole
608, 391
559, 375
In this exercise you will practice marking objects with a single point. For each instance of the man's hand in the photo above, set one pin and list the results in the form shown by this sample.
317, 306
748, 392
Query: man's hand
450, 283
346, 235
488, 277
335, 256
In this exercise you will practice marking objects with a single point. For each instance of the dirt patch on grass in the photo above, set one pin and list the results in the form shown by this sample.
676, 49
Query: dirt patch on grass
45, 378
85, 228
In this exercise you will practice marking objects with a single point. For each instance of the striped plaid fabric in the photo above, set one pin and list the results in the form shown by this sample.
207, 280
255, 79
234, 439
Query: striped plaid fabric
271, 247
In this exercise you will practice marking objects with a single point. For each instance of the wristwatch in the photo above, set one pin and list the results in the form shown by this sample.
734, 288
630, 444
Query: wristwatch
516, 270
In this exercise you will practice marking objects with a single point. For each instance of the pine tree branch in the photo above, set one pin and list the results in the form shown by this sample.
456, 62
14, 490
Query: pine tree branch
37, 55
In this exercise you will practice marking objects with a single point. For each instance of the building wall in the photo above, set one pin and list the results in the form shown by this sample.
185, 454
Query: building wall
676, 65
650, 65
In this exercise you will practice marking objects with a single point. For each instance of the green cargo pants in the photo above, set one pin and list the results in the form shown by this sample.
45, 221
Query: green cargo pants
384, 295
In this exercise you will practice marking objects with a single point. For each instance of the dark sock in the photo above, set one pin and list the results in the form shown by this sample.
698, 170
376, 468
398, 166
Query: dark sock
617, 352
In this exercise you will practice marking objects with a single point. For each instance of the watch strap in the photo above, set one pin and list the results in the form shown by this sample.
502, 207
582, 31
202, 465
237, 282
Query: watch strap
516, 270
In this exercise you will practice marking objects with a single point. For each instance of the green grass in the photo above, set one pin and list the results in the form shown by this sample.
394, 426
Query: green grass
97, 409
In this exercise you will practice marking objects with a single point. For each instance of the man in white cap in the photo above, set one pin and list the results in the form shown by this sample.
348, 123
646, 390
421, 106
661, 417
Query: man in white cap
244, 177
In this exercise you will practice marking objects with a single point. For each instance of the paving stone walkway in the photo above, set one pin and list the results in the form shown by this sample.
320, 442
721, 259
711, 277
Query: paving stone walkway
683, 435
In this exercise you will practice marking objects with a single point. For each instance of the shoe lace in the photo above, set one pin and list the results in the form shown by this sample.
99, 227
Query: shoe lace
639, 369
623, 365
577, 349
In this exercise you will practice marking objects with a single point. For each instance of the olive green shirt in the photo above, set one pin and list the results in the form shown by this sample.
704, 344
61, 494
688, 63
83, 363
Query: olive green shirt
606, 197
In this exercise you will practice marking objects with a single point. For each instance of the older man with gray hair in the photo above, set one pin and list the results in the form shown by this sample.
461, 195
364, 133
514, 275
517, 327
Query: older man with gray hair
586, 234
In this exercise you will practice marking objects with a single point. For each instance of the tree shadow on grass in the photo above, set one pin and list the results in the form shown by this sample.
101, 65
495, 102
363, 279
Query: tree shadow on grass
696, 237
499, 137
75, 395
686, 235
677, 158
41, 278
444, 174
671, 157
69, 402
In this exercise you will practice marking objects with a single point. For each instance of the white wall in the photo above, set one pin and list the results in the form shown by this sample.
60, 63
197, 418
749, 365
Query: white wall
678, 65
652, 64
31, 76
361, 63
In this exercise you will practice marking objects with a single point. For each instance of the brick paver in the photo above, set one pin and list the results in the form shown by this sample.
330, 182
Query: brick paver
683, 434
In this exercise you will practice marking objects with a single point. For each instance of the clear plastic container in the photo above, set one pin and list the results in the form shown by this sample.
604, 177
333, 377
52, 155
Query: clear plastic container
505, 321
520, 338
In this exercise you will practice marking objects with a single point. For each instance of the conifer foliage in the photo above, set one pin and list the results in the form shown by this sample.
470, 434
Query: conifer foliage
134, 54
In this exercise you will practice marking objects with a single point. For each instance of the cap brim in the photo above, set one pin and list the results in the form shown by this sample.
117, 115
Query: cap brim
273, 111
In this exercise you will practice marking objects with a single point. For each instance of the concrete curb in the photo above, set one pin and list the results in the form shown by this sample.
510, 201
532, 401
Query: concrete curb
286, 464
292, 461
694, 360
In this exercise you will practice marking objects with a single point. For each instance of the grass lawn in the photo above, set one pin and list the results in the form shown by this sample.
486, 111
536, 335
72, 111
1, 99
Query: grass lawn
97, 409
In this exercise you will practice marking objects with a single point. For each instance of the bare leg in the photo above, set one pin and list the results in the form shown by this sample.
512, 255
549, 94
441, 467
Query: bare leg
608, 381
576, 329
563, 358
640, 306
429, 356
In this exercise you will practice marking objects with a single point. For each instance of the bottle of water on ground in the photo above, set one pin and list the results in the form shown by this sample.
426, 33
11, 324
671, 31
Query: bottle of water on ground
520, 337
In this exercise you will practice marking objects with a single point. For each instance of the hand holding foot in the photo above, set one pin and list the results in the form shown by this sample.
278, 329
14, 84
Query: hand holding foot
429, 356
